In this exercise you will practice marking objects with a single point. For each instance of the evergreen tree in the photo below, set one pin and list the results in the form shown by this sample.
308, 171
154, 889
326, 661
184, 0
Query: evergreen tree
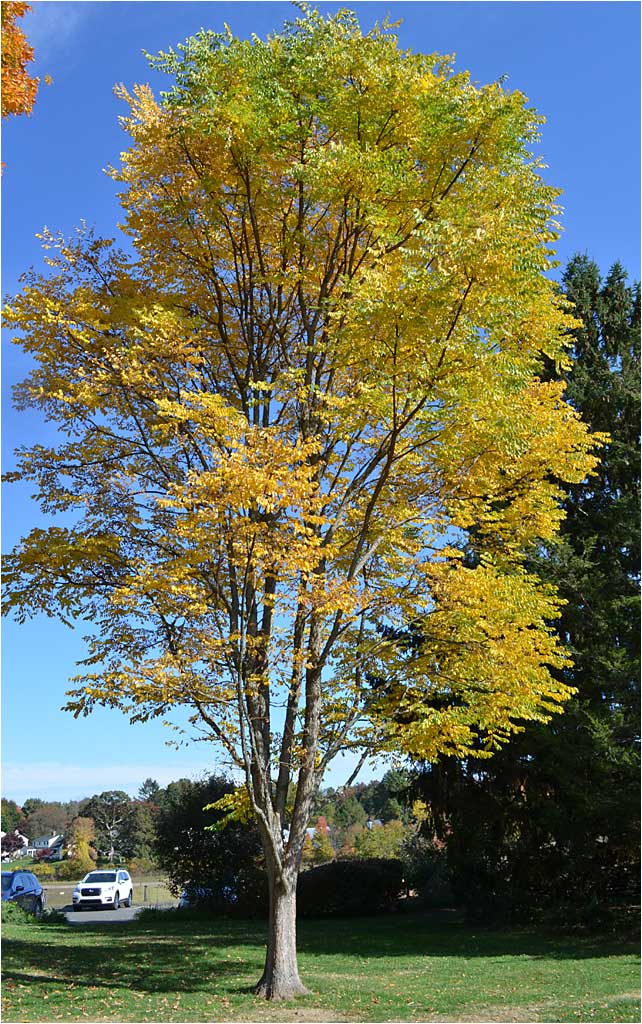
554, 817
149, 791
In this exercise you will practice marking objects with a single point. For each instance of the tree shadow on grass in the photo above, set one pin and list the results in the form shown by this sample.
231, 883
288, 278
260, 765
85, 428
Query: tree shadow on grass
416, 936
433, 933
171, 953
144, 966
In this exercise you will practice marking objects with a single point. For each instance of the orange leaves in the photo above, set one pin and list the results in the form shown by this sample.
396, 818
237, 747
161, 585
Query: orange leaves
18, 88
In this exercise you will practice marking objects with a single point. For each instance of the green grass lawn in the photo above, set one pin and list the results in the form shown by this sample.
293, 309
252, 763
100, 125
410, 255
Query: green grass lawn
183, 967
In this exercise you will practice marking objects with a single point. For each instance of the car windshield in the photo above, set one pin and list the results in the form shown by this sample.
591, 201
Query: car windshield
6, 880
100, 876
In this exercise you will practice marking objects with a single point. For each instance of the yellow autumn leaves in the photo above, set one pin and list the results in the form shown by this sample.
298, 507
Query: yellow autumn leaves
316, 376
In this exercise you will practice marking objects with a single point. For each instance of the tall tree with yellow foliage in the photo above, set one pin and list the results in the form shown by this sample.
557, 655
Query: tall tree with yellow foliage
318, 369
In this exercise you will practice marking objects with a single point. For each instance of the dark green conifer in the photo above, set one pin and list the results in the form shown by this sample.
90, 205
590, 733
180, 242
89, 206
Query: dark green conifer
554, 817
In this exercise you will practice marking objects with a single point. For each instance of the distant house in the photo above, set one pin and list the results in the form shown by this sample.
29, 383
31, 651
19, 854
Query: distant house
313, 831
49, 847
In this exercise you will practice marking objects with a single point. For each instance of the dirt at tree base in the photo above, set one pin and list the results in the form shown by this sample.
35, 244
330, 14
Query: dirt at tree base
283, 1014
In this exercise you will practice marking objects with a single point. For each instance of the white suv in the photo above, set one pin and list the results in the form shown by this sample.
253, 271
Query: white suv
104, 889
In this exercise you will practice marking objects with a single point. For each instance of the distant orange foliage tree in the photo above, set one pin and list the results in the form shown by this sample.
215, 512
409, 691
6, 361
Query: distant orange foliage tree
18, 88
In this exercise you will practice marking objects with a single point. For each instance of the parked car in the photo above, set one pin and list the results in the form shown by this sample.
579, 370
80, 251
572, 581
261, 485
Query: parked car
23, 887
104, 889
199, 896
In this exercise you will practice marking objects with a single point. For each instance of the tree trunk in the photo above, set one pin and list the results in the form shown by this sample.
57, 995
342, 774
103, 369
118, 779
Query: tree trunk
280, 979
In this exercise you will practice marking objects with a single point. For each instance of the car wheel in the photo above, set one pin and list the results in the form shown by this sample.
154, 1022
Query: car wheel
38, 908
130, 899
116, 901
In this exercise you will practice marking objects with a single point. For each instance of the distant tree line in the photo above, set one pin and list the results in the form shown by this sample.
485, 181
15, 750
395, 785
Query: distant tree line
148, 828
169, 827
109, 825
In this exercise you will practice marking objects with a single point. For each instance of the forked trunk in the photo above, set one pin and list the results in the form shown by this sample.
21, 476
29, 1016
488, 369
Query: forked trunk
280, 979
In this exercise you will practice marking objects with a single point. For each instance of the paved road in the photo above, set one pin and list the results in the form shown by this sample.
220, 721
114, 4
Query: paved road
120, 916
101, 916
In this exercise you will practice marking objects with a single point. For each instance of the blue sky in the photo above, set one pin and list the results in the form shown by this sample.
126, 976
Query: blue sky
577, 62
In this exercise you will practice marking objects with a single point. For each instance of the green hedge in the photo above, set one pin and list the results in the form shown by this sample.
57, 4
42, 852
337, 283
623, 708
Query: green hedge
350, 888
342, 888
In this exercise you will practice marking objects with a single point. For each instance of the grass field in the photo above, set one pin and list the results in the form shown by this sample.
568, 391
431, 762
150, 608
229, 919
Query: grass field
187, 968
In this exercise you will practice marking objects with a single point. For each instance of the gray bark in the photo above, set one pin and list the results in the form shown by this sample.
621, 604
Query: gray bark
280, 979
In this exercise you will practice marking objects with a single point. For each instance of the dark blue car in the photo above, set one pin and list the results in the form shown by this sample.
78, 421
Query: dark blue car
199, 896
23, 887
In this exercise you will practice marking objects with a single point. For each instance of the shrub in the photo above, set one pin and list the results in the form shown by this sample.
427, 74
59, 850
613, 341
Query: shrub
54, 915
251, 887
347, 888
143, 866
72, 869
44, 871
15, 914
246, 897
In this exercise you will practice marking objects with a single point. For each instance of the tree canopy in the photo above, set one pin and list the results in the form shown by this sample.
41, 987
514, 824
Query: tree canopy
18, 88
113, 815
12, 816
196, 854
320, 366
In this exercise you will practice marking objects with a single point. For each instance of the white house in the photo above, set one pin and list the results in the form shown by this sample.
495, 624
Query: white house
49, 846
